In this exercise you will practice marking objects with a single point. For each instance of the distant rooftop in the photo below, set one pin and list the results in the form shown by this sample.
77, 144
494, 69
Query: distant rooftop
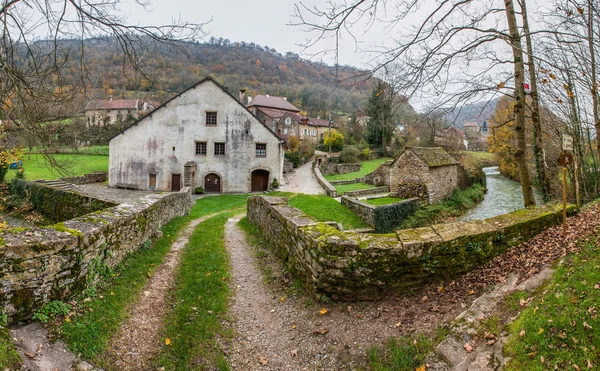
272, 102
470, 124
433, 156
108, 104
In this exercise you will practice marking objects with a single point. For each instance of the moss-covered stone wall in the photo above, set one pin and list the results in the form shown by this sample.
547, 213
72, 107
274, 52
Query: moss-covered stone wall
56, 204
42, 264
364, 266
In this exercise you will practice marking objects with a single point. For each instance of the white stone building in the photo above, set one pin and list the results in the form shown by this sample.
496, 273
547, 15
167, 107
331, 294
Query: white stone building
201, 137
115, 111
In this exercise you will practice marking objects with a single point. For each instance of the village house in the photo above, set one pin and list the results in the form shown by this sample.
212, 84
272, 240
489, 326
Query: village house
476, 135
112, 111
269, 109
203, 137
429, 173
451, 139
305, 128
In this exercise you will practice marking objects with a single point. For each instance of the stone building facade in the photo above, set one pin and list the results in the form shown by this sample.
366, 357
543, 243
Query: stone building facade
113, 111
428, 173
202, 137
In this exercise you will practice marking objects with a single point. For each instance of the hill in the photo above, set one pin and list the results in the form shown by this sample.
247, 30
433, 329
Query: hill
476, 112
312, 86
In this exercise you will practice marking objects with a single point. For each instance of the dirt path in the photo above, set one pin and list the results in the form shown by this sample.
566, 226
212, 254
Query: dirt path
303, 181
138, 339
272, 334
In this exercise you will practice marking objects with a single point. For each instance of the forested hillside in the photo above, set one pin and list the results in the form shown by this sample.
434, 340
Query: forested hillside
313, 86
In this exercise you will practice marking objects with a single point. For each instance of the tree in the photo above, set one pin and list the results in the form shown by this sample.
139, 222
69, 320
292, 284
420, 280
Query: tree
379, 110
333, 139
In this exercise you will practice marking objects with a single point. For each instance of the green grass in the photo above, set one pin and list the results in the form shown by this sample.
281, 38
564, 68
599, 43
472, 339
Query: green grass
383, 201
562, 325
36, 167
459, 202
324, 208
366, 167
341, 189
9, 358
201, 293
90, 334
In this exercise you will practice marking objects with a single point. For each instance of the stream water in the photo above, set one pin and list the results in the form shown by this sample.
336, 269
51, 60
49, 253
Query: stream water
503, 196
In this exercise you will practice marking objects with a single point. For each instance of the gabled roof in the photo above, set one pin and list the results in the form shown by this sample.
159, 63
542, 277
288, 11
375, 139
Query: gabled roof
272, 102
432, 156
106, 104
272, 112
319, 122
207, 78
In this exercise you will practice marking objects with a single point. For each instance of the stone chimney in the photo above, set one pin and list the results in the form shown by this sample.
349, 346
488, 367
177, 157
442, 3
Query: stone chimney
243, 96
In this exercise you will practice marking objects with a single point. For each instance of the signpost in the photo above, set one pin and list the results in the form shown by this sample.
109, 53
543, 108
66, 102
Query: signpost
565, 160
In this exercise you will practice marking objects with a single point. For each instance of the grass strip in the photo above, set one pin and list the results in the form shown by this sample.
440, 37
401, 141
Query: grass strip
561, 330
90, 334
201, 293
9, 358
343, 188
366, 167
383, 201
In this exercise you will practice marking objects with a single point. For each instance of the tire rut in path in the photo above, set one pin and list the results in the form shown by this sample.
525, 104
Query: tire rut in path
137, 342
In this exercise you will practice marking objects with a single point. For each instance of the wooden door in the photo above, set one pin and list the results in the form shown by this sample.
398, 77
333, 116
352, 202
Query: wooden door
175, 182
260, 180
212, 183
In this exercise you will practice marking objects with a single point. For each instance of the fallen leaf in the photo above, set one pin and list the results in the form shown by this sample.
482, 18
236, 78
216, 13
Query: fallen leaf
542, 359
491, 342
282, 299
522, 333
294, 352
320, 332
67, 319
589, 364
540, 331
32, 356
586, 326
471, 292
422, 368
398, 324
323, 311
263, 361
468, 347
293, 326
168, 341
441, 289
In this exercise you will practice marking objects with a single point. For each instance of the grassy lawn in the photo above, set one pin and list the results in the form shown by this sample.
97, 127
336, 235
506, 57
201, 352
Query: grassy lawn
36, 167
561, 330
383, 201
341, 189
202, 295
366, 167
90, 333
9, 358
325, 209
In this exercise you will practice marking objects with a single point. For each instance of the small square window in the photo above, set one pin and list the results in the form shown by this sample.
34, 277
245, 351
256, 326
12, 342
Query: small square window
261, 150
219, 149
152, 181
200, 148
211, 118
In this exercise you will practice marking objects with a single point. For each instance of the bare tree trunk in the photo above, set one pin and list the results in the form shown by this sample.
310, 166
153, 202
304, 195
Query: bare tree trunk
590, 31
538, 141
521, 146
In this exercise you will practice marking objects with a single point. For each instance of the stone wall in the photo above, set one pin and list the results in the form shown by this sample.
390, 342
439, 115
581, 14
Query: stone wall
52, 263
87, 178
56, 204
383, 218
363, 266
350, 181
329, 189
381, 176
366, 192
363, 210
408, 190
445, 180
329, 168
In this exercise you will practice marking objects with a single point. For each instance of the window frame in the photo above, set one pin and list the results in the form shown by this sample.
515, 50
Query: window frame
215, 149
200, 142
263, 150
210, 122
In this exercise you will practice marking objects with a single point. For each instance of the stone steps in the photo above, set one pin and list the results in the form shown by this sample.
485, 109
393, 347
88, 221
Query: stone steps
59, 184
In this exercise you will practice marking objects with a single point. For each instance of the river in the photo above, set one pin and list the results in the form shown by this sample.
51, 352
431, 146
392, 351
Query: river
503, 196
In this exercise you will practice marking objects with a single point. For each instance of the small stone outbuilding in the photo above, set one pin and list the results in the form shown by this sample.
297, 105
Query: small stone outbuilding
428, 173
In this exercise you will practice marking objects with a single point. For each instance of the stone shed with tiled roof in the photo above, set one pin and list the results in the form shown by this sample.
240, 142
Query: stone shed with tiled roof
428, 173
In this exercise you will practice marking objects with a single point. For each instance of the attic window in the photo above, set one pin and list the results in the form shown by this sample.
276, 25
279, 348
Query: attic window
211, 118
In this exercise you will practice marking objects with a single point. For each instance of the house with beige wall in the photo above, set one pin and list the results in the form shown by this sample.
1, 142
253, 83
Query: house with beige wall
204, 137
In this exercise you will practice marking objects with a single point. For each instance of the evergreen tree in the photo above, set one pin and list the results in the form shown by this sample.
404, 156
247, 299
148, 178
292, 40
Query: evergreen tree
379, 109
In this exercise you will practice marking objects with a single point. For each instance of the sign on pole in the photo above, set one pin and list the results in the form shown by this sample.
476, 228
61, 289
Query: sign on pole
567, 142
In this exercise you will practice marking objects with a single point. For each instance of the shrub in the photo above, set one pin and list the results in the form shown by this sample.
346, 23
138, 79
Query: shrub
275, 183
52, 310
294, 158
199, 190
349, 155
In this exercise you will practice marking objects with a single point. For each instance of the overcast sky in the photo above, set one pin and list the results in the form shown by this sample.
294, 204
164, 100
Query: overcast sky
264, 22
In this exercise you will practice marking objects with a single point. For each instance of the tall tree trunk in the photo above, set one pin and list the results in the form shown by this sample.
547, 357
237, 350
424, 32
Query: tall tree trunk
521, 145
590, 31
538, 142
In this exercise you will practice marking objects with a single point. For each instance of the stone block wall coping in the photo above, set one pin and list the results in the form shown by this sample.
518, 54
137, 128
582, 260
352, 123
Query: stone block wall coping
370, 191
350, 181
329, 189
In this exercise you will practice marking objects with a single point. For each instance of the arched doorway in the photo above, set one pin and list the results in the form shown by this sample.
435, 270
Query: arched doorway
260, 180
212, 183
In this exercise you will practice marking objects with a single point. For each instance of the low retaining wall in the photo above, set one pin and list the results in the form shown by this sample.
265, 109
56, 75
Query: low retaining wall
56, 204
342, 182
362, 266
366, 192
329, 168
87, 178
406, 190
381, 175
329, 189
53, 263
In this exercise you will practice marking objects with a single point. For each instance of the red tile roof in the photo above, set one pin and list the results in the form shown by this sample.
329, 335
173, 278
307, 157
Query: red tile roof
320, 122
272, 113
113, 104
273, 102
